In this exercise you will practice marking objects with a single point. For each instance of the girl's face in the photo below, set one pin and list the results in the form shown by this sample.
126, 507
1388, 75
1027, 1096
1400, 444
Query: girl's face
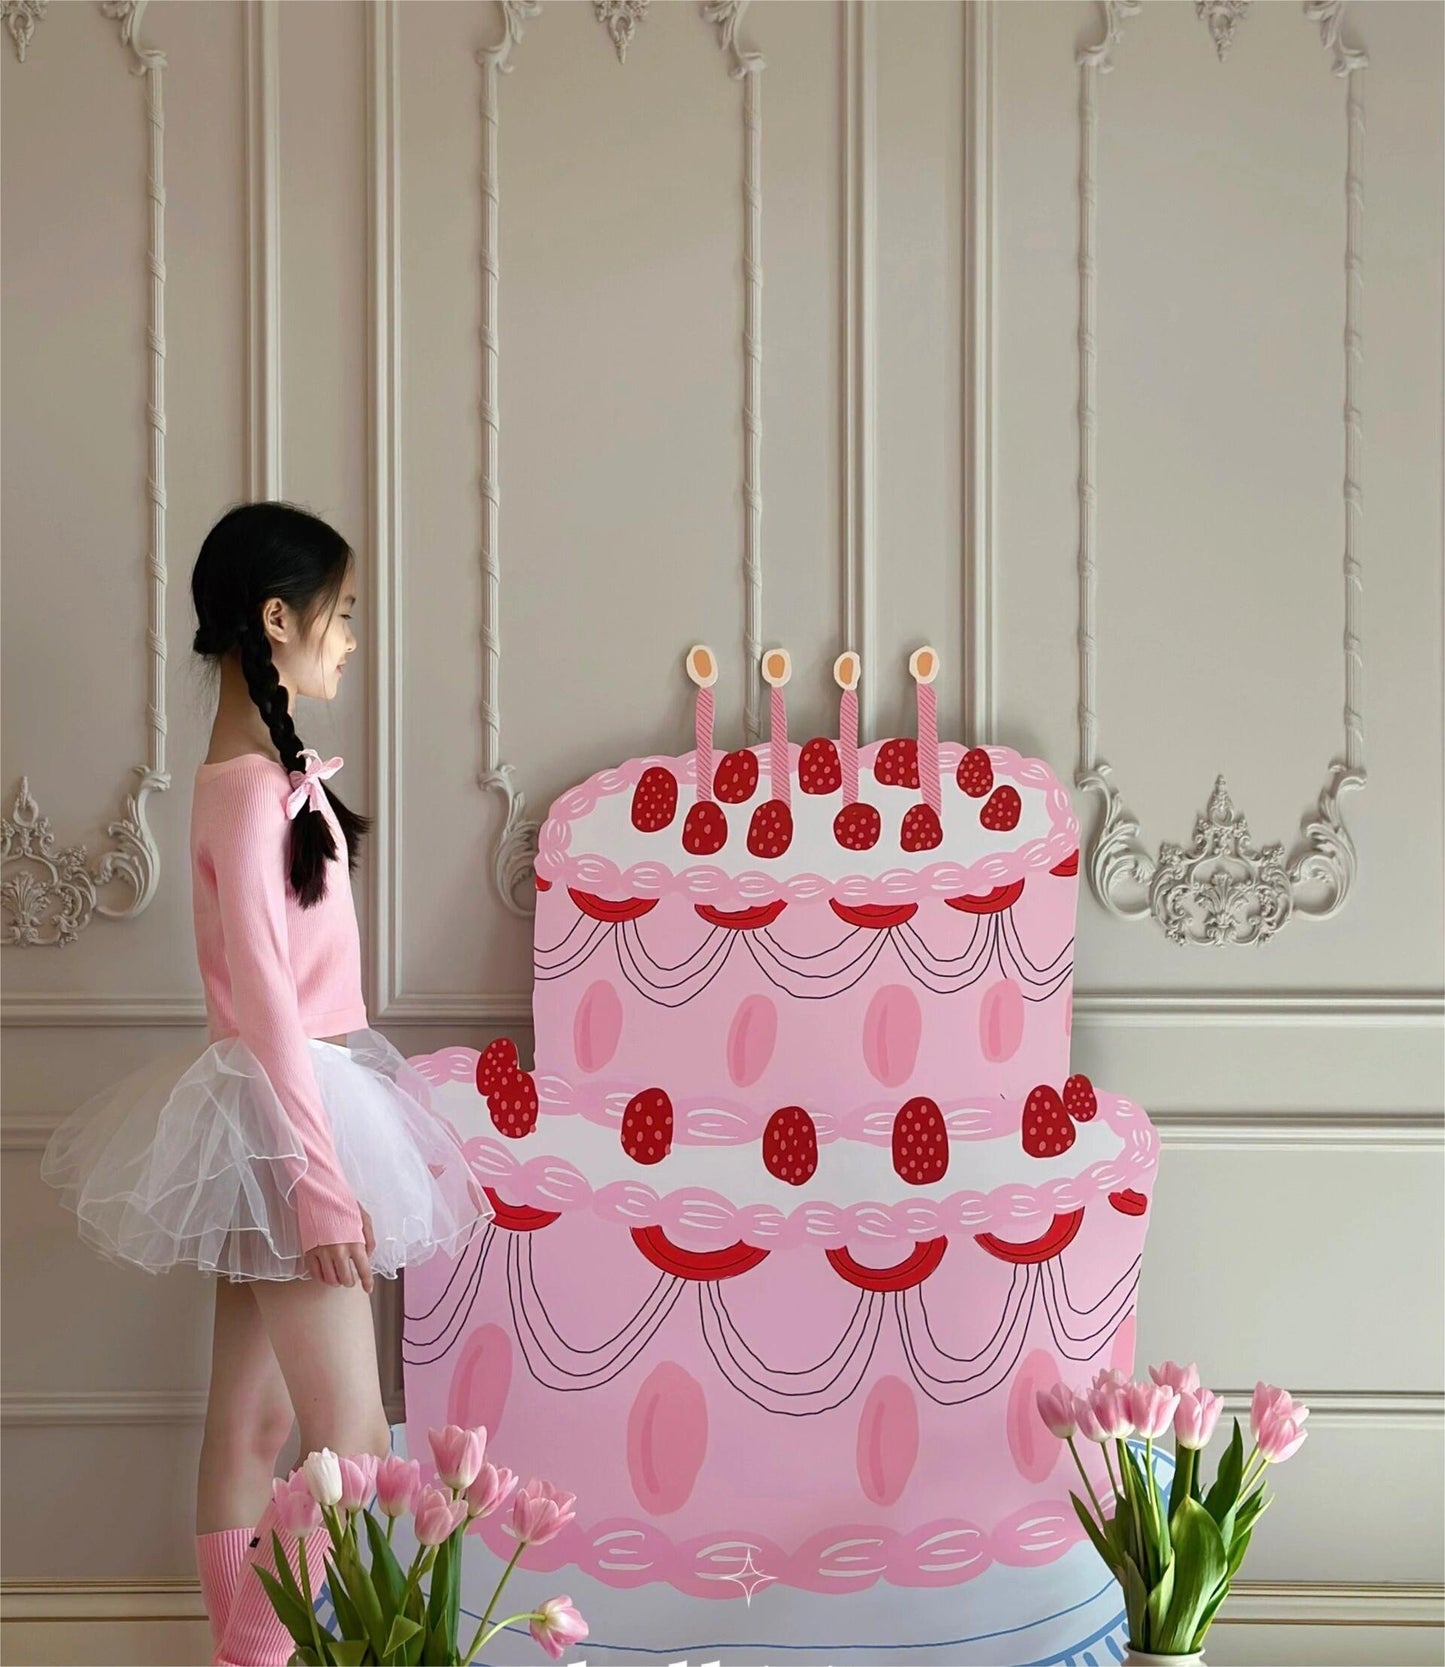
311, 662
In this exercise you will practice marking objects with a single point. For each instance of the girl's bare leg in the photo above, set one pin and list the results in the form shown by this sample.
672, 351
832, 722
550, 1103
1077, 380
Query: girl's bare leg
323, 1340
248, 1415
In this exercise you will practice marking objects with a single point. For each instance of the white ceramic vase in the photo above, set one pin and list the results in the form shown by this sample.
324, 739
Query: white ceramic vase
1142, 1658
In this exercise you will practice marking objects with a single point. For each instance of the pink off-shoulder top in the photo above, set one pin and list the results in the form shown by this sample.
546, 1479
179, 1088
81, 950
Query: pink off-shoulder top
274, 973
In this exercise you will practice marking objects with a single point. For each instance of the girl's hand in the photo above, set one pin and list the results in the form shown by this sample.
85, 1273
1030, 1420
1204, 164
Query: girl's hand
341, 1264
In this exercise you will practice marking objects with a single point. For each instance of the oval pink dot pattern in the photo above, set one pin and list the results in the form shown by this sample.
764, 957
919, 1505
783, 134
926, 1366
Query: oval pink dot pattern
752, 1036
1001, 1021
483, 1375
1035, 1451
666, 1438
597, 1026
892, 1029
887, 1440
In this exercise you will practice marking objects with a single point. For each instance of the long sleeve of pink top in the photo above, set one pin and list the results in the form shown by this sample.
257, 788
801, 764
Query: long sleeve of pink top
275, 973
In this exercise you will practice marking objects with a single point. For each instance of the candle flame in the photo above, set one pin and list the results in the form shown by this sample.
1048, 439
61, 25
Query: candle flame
847, 669
923, 665
702, 666
777, 667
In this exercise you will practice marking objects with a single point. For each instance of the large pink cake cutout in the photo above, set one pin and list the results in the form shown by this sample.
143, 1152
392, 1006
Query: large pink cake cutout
800, 1206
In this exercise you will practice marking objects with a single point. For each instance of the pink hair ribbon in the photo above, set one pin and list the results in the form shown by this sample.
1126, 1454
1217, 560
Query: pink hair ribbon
306, 784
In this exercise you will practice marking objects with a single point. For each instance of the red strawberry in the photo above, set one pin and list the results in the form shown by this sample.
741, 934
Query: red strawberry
736, 777
1070, 864
896, 764
654, 799
1002, 810
705, 830
975, 773
921, 830
647, 1126
513, 1106
856, 827
920, 1142
771, 830
1080, 1100
496, 1065
1047, 1130
819, 769
790, 1146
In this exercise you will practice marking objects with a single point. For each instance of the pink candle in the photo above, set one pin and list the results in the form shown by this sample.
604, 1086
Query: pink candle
777, 669
702, 669
923, 664
845, 673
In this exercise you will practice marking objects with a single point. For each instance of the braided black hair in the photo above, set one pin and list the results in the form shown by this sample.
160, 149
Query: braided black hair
254, 552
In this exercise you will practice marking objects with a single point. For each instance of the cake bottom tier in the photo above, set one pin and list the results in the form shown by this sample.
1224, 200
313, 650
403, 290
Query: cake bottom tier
1069, 1613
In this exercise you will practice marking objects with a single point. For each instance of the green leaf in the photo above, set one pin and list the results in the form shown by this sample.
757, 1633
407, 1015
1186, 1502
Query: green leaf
291, 1612
284, 1573
401, 1630
347, 1617
350, 1652
1158, 1605
1222, 1497
1136, 1602
1154, 1536
1186, 1466
1199, 1567
454, 1604
1248, 1512
1095, 1533
386, 1572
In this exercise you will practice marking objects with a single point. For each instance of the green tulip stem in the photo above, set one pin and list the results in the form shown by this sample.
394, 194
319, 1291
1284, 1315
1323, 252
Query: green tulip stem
482, 1627
1108, 1466
533, 1615
1098, 1508
306, 1593
1247, 1481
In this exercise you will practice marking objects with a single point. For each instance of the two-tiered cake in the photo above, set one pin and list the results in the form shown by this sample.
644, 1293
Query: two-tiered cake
800, 1204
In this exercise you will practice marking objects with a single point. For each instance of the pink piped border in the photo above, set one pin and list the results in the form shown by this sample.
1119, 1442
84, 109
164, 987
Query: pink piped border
624, 1552
706, 1220
706, 883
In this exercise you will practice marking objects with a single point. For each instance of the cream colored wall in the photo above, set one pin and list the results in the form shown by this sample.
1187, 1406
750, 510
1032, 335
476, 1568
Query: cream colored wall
920, 462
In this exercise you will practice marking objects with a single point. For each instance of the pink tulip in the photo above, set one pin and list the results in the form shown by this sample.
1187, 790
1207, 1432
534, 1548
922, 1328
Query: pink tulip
358, 1480
437, 1515
1151, 1408
1174, 1376
540, 1513
1056, 1408
1106, 1375
1110, 1402
1086, 1419
1280, 1436
296, 1509
458, 1453
1267, 1400
557, 1626
1197, 1414
398, 1482
489, 1490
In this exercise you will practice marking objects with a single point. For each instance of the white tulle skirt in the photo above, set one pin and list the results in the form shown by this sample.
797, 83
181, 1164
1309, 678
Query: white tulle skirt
193, 1161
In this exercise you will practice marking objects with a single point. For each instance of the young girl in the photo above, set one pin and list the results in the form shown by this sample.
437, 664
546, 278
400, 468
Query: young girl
296, 1157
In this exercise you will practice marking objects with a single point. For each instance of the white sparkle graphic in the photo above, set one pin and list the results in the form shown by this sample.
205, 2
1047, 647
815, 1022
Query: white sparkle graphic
749, 1577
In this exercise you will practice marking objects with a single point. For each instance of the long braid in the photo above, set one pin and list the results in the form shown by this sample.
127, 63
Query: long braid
312, 842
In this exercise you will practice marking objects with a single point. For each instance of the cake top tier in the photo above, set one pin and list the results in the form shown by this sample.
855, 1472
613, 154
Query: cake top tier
643, 830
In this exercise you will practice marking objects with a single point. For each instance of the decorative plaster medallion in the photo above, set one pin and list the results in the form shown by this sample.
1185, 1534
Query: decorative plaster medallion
621, 18
1221, 16
20, 17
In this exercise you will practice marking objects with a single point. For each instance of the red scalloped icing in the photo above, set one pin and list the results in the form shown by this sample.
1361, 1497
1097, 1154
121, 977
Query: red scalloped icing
902, 1276
742, 920
880, 916
695, 1264
988, 902
612, 910
1059, 1236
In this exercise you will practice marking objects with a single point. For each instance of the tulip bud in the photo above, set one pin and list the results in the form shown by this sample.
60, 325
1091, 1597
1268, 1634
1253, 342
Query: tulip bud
437, 1515
398, 1482
1111, 1406
323, 1476
540, 1512
1087, 1420
1279, 1437
1151, 1408
557, 1625
458, 1453
1195, 1417
1173, 1376
1056, 1408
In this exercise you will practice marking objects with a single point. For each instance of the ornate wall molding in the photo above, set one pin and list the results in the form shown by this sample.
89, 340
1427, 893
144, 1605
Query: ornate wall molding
1222, 889
20, 18
980, 177
860, 334
49, 894
515, 847
620, 18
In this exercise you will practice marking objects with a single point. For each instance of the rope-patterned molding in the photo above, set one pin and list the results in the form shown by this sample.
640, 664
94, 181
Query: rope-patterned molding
50, 894
1222, 889
515, 844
